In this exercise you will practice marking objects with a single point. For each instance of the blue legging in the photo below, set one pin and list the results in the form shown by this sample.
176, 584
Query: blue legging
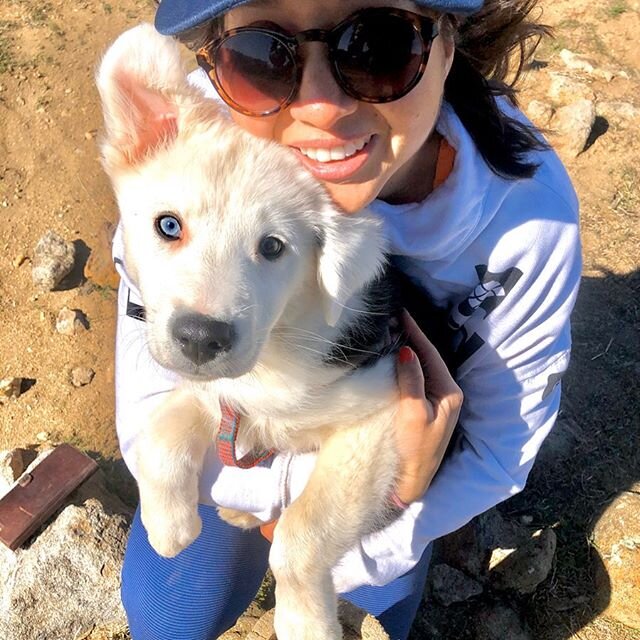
201, 593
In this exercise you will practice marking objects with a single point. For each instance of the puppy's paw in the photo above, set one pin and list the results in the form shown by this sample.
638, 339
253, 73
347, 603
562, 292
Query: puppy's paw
170, 532
240, 519
290, 623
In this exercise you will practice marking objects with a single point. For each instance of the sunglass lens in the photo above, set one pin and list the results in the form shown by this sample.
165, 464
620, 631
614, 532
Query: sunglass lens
379, 56
256, 71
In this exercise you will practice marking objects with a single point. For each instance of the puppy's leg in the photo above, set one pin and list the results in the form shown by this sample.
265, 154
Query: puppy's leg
170, 457
344, 497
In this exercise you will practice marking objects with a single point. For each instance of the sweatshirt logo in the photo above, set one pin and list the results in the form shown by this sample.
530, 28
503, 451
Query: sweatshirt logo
487, 296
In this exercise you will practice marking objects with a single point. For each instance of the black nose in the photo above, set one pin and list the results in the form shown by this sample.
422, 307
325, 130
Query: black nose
200, 337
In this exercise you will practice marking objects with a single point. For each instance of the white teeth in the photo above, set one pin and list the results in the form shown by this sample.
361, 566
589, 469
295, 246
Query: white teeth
335, 153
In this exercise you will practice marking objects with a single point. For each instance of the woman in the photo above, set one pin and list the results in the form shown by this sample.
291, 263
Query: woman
399, 106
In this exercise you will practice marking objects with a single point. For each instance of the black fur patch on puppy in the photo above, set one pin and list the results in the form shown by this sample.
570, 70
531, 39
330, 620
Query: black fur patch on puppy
367, 337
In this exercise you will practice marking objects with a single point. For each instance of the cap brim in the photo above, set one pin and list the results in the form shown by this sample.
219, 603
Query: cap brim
177, 16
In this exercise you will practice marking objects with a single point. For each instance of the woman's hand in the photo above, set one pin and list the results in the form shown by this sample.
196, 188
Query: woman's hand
430, 402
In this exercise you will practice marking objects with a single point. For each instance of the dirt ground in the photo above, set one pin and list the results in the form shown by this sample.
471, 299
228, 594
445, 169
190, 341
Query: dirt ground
50, 178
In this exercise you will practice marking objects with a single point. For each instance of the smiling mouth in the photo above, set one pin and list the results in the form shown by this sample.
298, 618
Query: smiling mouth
335, 154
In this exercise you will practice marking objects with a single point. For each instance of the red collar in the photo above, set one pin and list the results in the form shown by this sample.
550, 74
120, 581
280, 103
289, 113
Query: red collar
227, 436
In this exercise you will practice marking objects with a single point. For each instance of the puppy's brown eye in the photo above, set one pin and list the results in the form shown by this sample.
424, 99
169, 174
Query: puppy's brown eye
271, 247
169, 227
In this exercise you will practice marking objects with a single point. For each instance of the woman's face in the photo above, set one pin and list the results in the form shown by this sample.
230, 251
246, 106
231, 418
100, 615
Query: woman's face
395, 159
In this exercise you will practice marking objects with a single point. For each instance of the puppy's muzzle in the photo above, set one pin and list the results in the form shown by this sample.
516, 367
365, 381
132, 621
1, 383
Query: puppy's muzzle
201, 338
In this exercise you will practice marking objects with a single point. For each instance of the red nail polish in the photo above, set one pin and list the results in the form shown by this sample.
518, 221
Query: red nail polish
405, 355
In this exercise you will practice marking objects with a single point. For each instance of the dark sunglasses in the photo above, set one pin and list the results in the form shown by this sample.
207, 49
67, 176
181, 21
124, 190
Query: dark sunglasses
376, 55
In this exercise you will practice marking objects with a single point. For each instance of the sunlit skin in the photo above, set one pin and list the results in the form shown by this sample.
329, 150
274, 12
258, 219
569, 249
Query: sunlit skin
402, 161
399, 168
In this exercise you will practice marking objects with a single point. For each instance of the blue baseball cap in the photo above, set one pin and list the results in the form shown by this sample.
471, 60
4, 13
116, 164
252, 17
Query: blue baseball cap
176, 16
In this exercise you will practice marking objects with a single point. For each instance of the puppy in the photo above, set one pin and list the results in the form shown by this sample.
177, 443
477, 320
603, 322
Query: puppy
273, 308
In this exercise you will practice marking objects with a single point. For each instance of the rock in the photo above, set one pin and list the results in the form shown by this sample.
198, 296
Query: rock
522, 569
53, 260
616, 536
577, 62
10, 388
357, 625
19, 260
540, 113
12, 465
43, 436
449, 585
503, 552
68, 580
464, 550
564, 89
572, 126
617, 113
81, 376
500, 622
99, 268
70, 322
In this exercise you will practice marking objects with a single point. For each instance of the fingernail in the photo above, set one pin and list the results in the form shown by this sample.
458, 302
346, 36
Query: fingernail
405, 355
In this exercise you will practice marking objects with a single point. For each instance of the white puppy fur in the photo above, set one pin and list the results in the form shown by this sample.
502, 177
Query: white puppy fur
169, 151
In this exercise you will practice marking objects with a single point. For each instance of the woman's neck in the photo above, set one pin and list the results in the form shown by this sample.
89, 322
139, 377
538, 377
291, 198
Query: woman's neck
417, 176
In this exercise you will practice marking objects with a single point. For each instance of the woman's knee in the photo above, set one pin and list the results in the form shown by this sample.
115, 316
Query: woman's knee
198, 594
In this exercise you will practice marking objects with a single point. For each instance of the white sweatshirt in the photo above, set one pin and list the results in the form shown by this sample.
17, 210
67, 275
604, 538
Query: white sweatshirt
502, 257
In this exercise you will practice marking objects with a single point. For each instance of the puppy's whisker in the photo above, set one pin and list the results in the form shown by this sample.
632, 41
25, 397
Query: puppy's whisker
321, 339
249, 306
366, 312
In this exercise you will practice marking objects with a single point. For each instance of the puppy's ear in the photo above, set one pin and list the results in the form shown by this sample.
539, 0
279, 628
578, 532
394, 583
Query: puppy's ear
352, 252
140, 81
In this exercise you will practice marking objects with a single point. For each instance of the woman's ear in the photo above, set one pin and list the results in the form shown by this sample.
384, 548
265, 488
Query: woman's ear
140, 80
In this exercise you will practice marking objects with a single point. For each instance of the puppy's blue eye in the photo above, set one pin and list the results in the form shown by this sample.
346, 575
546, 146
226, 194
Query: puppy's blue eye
169, 227
271, 247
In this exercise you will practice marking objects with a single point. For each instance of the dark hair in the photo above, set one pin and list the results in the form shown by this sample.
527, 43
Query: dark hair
486, 45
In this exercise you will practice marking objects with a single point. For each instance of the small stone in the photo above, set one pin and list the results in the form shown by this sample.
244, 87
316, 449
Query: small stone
576, 62
10, 388
53, 259
450, 585
540, 113
572, 125
19, 260
70, 322
43, 436
526, 519
89, 135
81, 376
12, 465
565, 89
